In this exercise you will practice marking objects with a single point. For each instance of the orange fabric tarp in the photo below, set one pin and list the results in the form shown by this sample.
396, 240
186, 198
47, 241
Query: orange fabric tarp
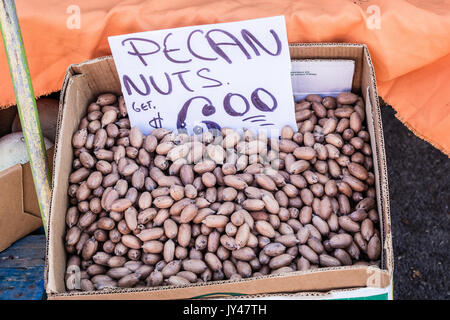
409, 41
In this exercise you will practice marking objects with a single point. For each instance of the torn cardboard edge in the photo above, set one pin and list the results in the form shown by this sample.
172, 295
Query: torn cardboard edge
270, 284
84, 78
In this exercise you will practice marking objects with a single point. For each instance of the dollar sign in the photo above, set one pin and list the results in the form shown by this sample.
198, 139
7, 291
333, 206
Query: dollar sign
156, 122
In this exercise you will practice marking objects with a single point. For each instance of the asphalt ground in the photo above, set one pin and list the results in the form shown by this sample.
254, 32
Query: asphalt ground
419, 188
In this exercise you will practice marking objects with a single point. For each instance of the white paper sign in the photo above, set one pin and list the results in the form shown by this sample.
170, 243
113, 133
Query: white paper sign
197, 78
322, 76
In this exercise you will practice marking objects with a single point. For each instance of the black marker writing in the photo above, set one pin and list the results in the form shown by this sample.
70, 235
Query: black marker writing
252, 40
167, 51
142, 47
212, 126
189, 39
216, 46
156, 122
157, 88
180, 76
229, 109
259, 116
259, 104
207, 110
217, 82
137, 53
128, 83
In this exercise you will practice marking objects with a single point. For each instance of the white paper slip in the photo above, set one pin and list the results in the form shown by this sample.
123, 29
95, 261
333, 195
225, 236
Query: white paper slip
196, 78
321, 76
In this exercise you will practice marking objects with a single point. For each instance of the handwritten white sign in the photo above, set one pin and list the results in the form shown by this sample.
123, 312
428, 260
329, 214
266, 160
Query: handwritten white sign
196, 78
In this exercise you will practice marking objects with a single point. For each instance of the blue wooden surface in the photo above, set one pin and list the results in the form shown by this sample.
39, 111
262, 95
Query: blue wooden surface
22, 269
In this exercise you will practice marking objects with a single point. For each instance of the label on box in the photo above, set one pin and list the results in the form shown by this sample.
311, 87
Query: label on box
196, 78
322, 76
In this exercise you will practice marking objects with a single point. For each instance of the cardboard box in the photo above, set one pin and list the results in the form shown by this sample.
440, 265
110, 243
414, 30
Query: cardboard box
85, 81
19, 208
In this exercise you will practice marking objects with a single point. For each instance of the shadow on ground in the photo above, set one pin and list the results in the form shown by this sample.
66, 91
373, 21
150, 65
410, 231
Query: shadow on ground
419, 183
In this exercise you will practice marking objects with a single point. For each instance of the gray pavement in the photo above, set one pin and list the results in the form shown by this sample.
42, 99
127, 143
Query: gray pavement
419, 183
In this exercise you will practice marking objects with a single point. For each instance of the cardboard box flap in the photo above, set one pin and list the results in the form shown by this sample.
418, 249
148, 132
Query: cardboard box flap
14, 222
375, 126
319, 280
62, 160
108, 71
332, 51
30, 201
77, 91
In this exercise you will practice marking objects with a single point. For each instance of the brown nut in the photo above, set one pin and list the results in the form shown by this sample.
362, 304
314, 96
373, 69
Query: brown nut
265, 228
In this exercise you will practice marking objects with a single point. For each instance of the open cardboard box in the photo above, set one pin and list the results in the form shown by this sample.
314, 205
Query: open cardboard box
19, 208
85, 81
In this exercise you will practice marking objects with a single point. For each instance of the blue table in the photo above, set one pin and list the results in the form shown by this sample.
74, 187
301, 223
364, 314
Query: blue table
22, 269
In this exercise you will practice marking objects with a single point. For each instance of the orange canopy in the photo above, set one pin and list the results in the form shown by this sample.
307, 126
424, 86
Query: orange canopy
409, 41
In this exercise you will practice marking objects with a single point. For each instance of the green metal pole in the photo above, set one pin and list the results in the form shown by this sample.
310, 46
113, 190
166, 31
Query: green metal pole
26, 104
